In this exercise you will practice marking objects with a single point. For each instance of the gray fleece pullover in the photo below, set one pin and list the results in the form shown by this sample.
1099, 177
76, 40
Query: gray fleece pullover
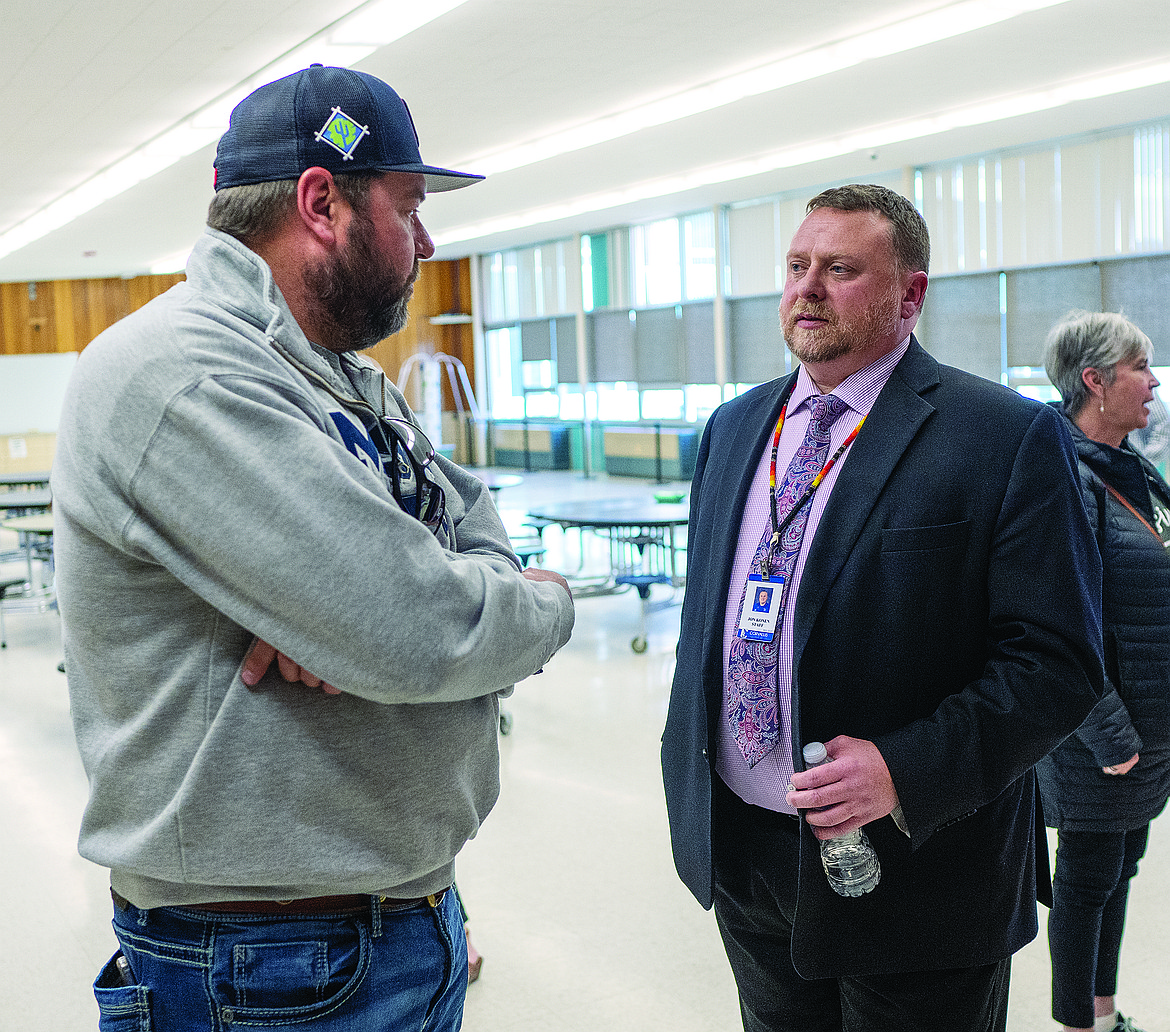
208, 489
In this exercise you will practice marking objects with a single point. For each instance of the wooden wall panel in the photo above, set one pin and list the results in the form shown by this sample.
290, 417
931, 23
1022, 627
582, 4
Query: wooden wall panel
65, 315
41, 318
64, 328
13, 317
29, 318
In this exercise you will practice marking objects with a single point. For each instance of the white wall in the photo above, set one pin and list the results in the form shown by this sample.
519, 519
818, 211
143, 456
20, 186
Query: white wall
32, 389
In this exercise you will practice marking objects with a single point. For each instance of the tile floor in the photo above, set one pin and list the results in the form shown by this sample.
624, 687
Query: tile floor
573, 897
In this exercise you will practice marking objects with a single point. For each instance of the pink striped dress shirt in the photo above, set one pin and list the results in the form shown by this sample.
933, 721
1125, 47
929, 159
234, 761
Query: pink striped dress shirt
766, 783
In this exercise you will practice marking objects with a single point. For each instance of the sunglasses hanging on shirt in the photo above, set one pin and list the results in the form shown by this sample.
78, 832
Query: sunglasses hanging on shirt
406, 455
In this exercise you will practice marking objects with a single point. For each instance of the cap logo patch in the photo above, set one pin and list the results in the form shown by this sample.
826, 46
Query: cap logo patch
342, 133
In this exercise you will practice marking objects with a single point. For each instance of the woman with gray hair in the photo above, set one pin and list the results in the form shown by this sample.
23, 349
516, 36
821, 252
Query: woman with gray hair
1104, 784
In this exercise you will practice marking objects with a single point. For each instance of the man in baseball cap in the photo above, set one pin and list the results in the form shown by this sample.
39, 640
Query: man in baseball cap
287, 621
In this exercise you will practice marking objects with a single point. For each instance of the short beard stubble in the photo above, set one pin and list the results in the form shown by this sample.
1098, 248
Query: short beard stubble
837, 338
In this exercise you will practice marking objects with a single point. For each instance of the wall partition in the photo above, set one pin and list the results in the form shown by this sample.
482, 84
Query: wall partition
995, 323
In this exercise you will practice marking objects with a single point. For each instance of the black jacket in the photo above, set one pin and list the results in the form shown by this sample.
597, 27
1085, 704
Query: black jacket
1134, 715
949, 612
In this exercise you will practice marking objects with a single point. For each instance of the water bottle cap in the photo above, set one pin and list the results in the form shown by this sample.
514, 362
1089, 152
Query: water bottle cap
815, 753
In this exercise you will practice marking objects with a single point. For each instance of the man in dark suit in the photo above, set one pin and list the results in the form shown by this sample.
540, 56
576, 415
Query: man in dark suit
938, 628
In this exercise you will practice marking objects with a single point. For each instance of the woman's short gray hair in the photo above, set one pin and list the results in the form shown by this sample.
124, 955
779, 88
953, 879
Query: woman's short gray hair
256, 210
1090, 340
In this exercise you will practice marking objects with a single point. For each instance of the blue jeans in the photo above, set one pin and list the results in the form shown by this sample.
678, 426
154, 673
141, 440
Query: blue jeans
376, 971
1089, 894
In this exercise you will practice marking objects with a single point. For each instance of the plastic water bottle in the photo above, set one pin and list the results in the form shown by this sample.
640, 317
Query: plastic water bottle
850, 863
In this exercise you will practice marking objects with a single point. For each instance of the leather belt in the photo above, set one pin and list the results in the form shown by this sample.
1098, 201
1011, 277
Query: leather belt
314, 906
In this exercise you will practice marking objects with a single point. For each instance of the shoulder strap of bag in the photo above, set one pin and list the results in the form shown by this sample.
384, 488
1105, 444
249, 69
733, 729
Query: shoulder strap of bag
1125, 501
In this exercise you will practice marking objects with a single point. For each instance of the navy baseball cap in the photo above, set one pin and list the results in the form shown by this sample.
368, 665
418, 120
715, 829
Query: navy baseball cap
333, 118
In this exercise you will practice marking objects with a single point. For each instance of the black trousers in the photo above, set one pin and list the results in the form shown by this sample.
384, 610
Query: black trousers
755, 854
1091, 890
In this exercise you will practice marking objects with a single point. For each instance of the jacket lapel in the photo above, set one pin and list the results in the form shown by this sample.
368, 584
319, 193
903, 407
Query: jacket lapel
894, 421
731, 465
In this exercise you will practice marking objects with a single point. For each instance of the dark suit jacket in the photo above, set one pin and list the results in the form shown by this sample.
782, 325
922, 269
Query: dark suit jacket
949, 611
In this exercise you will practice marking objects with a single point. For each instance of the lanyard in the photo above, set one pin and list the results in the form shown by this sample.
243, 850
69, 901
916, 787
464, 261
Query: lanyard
778, 527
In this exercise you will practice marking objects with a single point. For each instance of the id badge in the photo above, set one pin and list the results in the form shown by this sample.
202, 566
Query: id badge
761, 608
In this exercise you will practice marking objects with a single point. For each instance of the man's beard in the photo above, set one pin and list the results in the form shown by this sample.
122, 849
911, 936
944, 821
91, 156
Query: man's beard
836, 337
359, 298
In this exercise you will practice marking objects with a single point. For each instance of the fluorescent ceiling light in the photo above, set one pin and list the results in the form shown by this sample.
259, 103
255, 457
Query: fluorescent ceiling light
345, 43
897, 38
817, 150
